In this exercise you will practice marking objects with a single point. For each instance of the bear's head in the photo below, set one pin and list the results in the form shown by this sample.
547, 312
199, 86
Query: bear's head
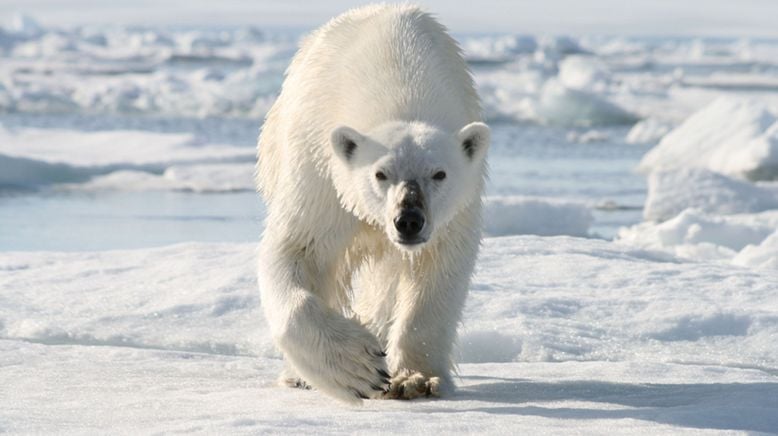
409, 178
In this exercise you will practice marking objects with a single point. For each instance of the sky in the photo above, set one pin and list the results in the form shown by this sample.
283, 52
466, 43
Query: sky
577, 17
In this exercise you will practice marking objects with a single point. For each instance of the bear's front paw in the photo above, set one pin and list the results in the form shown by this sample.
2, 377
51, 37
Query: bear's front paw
346, 361
407, 385
360, 373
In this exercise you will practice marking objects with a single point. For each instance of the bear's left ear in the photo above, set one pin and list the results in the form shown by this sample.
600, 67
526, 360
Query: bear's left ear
345, 141
474, 139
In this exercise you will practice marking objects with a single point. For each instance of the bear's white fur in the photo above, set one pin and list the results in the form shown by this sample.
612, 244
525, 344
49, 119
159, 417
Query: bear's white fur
372, 165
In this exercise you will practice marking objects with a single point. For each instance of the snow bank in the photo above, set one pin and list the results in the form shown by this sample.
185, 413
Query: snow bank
30, 157
535, 216
672, 191
731, 136
695, 235
582, 335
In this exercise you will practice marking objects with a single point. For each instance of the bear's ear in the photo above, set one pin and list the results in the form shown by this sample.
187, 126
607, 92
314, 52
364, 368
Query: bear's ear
345, 141
474, 139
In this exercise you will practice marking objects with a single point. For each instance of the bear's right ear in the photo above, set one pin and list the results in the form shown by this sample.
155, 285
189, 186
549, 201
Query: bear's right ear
345, 141
474, 139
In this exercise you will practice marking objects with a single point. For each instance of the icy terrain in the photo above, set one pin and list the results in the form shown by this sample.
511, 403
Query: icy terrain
628, 282
560, 335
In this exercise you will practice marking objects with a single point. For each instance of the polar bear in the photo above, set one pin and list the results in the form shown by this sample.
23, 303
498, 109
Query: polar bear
372, 165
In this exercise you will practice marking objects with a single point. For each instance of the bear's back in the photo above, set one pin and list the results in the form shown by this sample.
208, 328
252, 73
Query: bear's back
388, 63
370, 65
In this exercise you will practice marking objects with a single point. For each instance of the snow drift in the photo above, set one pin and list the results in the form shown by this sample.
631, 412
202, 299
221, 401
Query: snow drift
731, 136
698, 236
672, 191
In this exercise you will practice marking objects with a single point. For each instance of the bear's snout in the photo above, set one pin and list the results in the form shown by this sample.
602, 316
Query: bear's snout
409, 224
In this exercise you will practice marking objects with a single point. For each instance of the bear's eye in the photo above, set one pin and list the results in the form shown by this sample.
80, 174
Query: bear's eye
440, 175
380, 175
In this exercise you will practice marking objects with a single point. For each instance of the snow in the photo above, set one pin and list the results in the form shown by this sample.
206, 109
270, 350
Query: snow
24, 25
496, 50
695, 235
202, 178
648, 131
583, 73
763, 255
701, 205
33, 156
587, 136
559, 104
137, 137
563, 335
731, 136
236, 72
519, 215
672, 191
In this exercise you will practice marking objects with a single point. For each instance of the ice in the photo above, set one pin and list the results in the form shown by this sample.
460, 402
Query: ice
203, 178
730, 136
763, 255
24, 26
579, 95
142, 70
695, 235
562, 334
560, 44
143, 136
31, 156
236, 72
672, 191
213, 178
648, 131
588, 136
496, 50
559, 104
519, 215
583, 73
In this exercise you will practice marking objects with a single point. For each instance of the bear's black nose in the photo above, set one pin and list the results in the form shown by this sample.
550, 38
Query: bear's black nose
409, 223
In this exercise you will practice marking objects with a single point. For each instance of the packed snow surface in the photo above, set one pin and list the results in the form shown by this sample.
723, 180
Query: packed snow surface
560, 335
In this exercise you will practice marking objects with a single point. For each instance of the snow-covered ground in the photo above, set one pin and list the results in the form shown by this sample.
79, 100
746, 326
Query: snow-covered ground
628, 282
560, 334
